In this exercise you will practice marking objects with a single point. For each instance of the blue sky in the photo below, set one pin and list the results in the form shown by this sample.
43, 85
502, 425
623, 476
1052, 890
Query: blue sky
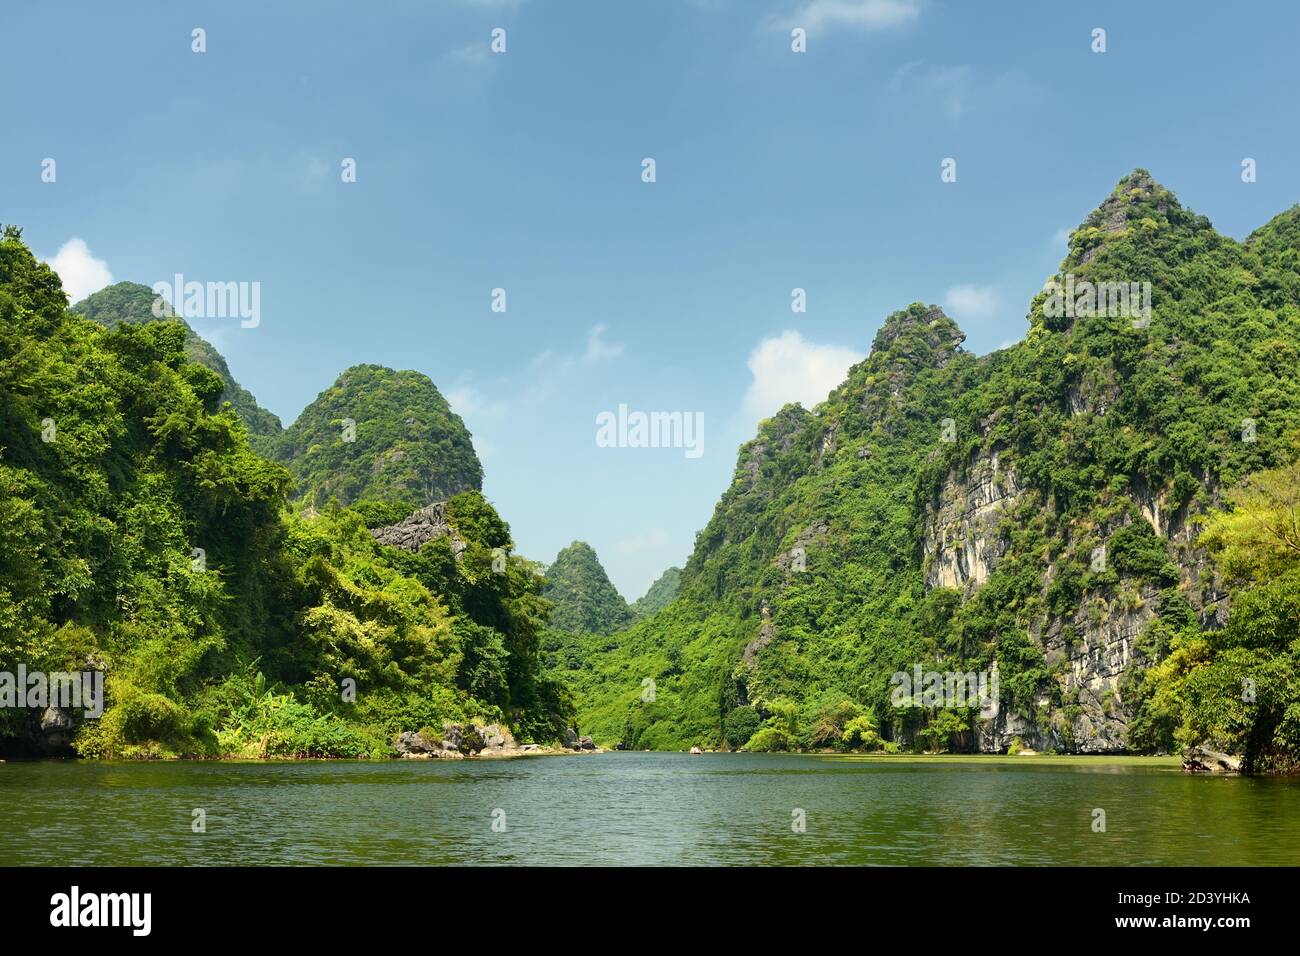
522, 171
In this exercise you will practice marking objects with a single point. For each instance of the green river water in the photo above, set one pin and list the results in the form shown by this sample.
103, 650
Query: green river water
642, 808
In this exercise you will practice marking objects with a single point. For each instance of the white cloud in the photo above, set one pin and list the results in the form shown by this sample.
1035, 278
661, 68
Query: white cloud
971, 301
949, 84
597, 348
80, 271
1062, 238
316, 172
788, 369
479, 410
552, 368
813, 15
485, 448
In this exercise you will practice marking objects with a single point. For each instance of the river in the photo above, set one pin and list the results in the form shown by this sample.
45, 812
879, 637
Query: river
643, 808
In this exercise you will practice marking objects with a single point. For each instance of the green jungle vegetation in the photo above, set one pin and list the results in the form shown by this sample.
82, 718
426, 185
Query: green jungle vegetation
582, 597
131, 302
408, 446
141, 534
1098, 415
157, 524
660, 595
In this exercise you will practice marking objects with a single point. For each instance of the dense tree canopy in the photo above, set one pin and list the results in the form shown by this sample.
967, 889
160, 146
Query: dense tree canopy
661, 594
1104, 514
377, 434
132, 303
141, 535
584, 601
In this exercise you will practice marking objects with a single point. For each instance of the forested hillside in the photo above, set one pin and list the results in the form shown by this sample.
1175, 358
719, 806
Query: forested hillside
142, 536
584, 601
132, 303
661, 594
375, 436
1102, 516
1040, 510
380, 435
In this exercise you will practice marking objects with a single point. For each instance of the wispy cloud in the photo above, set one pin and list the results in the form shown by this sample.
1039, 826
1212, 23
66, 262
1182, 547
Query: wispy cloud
485, 448
468, 401
819, 15
316, 173
598, 350
80, 272
472, 54
971, 301
786, 368
948, 84
960, 88
652, 539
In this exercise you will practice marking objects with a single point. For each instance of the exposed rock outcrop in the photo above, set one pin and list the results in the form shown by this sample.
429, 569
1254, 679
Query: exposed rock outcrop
962, 544
413, 531
1204, 760
459, 741
1099, 647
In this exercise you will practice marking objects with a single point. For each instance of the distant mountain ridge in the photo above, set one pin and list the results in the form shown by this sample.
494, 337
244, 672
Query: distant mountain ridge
660, 594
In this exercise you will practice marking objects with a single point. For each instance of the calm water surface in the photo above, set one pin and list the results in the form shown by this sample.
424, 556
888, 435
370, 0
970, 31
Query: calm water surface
646, 809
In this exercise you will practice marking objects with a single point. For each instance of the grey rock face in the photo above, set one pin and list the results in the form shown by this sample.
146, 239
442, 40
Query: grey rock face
999, 732
460, 741
413, 531
962, 544
409, 742
1094, 648
496, 737
58, 727
452, 737
766, 634
55, 719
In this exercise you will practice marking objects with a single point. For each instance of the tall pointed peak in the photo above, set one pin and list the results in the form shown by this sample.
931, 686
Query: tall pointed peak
1137, 207
1135, 197
583, 599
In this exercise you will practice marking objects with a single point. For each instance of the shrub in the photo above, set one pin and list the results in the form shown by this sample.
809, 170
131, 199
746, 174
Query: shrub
740, 725
772, 739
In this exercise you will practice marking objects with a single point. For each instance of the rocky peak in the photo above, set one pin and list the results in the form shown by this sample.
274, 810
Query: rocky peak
920, 335
916, 340
1136, 195
1139, 203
